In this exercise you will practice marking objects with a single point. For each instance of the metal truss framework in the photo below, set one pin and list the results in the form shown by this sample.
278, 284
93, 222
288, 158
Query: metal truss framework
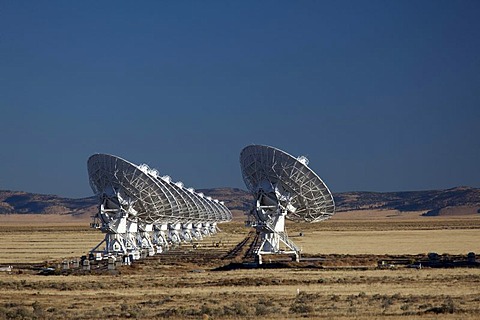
143, 213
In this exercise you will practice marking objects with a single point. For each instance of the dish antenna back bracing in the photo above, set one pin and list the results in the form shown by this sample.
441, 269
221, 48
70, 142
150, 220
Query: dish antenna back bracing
284, 187
142, 213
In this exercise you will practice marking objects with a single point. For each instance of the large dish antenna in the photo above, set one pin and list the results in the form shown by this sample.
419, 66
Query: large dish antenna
284, 187
143, 213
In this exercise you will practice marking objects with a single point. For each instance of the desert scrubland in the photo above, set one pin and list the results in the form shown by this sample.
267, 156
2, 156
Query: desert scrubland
191, 284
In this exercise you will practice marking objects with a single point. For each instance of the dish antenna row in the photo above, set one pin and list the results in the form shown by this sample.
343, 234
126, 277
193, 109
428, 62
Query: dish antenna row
284, 187
142, 213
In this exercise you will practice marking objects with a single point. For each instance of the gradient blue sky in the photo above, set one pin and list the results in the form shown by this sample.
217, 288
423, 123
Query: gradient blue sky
379, 95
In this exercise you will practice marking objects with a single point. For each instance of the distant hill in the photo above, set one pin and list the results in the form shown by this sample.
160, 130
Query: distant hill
235, 199
433, 202
459, 200
32, 203
430, 200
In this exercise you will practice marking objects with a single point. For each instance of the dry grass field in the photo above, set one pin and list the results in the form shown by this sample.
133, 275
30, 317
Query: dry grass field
187, 284
389, 232
177, 292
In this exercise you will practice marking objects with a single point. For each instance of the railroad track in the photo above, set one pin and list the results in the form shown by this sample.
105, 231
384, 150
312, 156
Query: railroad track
251, 252
242, 248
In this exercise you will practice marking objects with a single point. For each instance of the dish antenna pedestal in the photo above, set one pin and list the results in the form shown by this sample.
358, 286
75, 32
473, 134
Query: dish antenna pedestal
124, 235
268, 218
284, 187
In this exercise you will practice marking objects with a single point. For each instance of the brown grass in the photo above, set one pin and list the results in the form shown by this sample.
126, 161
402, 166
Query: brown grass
167, 286
453, 293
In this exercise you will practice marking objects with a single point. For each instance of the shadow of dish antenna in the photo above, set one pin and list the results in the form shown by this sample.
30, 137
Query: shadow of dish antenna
284, 187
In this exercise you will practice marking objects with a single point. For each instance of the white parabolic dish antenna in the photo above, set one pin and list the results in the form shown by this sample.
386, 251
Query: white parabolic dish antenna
284, 187
142, 212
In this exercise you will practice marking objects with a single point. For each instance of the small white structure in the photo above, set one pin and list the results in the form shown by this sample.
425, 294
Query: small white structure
6, 269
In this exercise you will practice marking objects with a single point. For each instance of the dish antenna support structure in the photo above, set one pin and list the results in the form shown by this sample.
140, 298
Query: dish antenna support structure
284, 187
143, 213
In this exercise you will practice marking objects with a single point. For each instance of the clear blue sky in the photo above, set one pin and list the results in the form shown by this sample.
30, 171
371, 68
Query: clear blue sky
379, 95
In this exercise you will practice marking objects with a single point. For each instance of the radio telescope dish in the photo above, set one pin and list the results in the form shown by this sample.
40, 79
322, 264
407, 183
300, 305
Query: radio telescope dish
142, 212
284, 187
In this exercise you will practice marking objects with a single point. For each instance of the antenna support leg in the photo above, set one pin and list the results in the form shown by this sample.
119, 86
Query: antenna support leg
274, 239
